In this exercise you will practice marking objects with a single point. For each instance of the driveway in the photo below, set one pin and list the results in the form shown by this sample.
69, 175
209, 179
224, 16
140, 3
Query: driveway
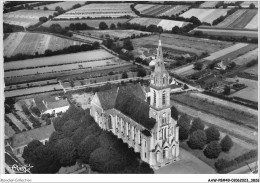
188, 164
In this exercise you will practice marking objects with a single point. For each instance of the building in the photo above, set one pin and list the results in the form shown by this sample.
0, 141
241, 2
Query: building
52, 105
18, 141
148, 128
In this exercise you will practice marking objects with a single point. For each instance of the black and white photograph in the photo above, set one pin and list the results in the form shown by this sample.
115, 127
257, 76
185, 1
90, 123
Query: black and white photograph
129, 88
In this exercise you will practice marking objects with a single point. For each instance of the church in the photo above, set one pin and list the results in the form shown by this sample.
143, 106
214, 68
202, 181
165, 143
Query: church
147, 127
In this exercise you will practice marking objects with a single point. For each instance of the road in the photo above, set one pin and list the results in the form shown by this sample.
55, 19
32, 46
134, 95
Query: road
188, 164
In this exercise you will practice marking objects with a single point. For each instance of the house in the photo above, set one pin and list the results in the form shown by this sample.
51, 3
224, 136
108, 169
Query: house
223, 65
52, 105
147, 127
18, 141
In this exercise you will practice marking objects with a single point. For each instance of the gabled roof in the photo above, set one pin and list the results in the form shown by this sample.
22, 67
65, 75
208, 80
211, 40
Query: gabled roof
129, 100
135, 108
23, 138
40, 105
107, 98
52, 103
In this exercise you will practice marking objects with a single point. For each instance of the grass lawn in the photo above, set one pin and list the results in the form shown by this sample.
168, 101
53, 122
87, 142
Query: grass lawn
234, 152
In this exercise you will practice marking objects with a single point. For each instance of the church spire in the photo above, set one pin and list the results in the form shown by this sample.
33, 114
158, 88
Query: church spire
159, 65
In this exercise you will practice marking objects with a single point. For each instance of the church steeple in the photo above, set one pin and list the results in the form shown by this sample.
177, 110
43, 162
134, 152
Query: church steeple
160, 77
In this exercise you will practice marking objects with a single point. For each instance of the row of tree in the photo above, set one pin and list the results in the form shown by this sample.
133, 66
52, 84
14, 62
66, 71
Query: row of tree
199, 137
78, 138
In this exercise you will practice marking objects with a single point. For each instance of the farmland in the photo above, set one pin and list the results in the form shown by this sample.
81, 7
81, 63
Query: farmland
209, 4
65, 67
226, 51
177, 43
211, 31
30, 43
64, 5
58, 60
25, 18
121, 34
205, 15
253, 24
165, 24
97, 10
176, 10
90, 22
244, 59
240, 19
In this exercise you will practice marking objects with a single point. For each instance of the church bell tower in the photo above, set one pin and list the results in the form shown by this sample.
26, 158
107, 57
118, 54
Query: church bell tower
160, 109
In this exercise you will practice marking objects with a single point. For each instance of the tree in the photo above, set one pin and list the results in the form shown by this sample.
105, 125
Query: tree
197, 124
185, 87
226, 90
184, 127
124, 75
29, 150
96, 45
175, 30
198, 33
66, 151
232, 65
70, 127
87, 146
72, 26
197, 139
195, 20
226, 143
127, 44
212, 134
76, 6
43, 19
103, 26
212, 150
45, 160
112, 26
174, 113
45, 8
252, 6
198, 65
141, 72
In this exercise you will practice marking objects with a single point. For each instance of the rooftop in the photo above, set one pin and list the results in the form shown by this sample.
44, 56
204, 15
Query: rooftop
53, 102
23, 138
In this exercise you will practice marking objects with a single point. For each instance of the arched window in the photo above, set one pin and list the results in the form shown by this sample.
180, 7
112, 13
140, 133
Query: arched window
164, 98
164, 80
109, 122
154, 98
163, 119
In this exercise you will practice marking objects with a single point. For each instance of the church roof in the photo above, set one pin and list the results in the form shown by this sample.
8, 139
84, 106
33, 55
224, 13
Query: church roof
129, 100
135, 108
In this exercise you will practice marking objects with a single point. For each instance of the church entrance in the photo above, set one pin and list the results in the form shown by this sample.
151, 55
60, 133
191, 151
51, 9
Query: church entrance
109, 122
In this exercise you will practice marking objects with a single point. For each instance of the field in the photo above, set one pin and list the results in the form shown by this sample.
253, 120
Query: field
205, 15
248, 93
65, 67
90, 22
244, 59
64, 5
252, 70
59, 60
30, 43
225, 51
165, 24
176, 10
176, 43
99, 10
253, 24
246, 4
240, 19
209, 4
121, 34
28, 91
25, 18
226, 33
236, 116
